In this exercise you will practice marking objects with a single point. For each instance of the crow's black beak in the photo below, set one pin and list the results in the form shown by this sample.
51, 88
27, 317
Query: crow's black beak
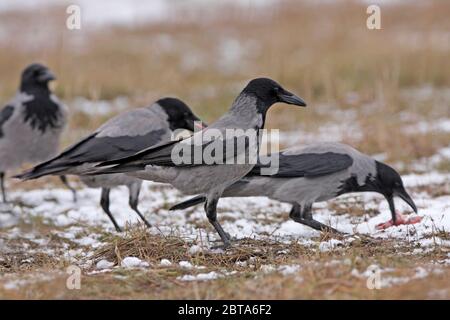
46, 76
402, 194
195, 124
290, 98
390, 200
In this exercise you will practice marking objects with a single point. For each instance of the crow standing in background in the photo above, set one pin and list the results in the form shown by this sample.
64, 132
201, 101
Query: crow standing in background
31, 123
318, 172
121, 136
247, 112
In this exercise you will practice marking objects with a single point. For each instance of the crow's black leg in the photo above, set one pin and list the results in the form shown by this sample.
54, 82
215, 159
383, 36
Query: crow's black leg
134, 200
2, 185
307, 216
306, 213
304, 216
296, 211
104, 202
211, 213
66, 183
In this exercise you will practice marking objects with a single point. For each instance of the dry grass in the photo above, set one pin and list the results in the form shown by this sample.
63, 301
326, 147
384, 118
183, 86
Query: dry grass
152, 248
328, 283
321, 274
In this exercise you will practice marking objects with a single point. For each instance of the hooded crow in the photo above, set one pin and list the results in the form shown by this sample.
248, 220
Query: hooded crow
318, 172
121, 136
197, 175
31, 123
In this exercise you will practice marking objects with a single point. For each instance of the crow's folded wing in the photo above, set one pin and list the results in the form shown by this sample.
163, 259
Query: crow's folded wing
188, 153
307, 165
5, 114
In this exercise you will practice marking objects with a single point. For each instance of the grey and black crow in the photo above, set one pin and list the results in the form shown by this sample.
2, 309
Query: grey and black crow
248, 112
315, 173
31, 123
121, 136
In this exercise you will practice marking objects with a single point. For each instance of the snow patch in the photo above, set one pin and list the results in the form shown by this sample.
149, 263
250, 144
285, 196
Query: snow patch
133, 262
165, 263
185, 264
201, 276
104, 264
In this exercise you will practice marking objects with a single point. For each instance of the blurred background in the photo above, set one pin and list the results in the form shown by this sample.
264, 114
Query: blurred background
386, 92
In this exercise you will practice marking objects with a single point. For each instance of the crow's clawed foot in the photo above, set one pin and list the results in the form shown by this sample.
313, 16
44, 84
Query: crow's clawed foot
229, 244
226, 245
366, 239
333, 231
118, 229
316, 225
148, 224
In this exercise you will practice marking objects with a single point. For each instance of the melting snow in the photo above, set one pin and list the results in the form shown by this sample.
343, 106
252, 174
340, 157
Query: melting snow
133, 262
185, 264
283, 269
201, 276
104, 264
241, 217
165, 263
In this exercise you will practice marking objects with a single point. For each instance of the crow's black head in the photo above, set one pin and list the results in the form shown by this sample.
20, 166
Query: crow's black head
36, 75
269, 92
390, 184
41, 111
180, 116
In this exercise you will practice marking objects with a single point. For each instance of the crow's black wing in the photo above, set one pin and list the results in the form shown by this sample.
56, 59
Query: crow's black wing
5, 114
94, 149
185, 153
307, 164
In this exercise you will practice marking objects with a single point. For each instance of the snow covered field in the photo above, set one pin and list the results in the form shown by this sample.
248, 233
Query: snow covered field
76, 232
243, 217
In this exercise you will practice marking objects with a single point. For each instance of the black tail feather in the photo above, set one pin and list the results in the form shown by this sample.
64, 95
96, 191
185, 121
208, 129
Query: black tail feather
151, 152
188, 203
121, 168
39, 171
